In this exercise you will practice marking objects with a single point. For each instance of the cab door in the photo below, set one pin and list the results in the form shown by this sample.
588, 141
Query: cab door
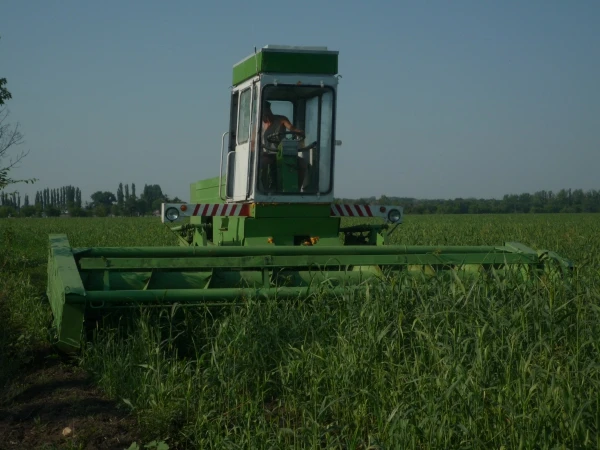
240, 160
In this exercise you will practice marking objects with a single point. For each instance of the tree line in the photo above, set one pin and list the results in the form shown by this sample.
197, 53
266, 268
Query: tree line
66, 201
47, 202
563, 201
125, 202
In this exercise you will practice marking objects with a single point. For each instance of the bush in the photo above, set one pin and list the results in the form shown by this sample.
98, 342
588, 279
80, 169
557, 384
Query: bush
7, 211
27, 211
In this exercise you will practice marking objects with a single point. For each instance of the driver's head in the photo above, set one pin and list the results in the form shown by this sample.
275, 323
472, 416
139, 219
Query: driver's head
267, 113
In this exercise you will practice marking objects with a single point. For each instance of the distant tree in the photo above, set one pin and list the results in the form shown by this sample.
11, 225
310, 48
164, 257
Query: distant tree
28, 211
10, 137
141, 207
52, 211
76, 211
156, 204
120, 195
4, 93
103, 198
165, 199
7, 211
101, 210
131, 207
151, 195
565, 201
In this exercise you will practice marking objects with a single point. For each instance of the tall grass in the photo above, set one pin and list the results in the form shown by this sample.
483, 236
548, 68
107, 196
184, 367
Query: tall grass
24, 313
425, 366
493, 363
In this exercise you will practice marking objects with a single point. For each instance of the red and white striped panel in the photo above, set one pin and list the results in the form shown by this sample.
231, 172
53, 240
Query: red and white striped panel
219, 210
382, 211
243, 210
208, 209
338, 210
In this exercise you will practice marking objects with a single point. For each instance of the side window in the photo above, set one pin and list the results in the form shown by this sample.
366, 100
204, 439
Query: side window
244, 117
325, 141
255, 120
312, 119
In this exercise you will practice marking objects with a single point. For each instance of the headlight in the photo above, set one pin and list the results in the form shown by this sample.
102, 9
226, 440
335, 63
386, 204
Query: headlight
172, 214
394, 215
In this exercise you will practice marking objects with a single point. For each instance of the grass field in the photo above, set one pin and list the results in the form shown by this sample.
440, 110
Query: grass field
492, 364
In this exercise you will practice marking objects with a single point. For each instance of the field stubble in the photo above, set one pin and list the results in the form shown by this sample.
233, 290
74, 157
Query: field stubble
441, 364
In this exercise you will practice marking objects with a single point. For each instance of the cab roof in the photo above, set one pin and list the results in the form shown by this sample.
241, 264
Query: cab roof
287, 59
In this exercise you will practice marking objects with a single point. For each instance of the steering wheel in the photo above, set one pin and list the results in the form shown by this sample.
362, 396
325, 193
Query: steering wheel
308, 147
276, 138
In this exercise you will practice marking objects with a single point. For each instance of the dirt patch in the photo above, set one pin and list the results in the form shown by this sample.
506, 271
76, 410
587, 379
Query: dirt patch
46, 400
53, 396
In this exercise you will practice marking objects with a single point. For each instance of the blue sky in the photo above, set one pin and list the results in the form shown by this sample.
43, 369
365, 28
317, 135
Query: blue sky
437, 99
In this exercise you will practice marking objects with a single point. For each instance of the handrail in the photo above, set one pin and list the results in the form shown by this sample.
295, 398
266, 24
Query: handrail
227, 175
252, 119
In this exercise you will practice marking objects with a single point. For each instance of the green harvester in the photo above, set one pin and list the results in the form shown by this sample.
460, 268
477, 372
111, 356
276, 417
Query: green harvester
268, 225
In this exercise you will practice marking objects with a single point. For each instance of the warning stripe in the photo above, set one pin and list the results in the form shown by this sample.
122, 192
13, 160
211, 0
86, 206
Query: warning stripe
243, 210
351, 210
216, 209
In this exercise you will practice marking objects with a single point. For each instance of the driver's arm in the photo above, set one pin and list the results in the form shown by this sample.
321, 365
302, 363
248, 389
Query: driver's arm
287, 124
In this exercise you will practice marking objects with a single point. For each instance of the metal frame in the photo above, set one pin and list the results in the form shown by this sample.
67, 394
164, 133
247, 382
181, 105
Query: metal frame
87, 281
253, 121
221, 170
244, 210
269, 80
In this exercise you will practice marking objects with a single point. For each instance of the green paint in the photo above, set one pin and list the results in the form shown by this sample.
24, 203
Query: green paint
332, 261
287, 172
202, 295
248, 231
289, 210
64, 285
286, 62
86, 281
180, 252
206, 191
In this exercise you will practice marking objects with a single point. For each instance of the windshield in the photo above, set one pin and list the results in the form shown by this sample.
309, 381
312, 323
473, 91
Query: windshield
296, 137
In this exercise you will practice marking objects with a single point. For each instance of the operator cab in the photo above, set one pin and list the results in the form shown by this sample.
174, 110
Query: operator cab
281, 139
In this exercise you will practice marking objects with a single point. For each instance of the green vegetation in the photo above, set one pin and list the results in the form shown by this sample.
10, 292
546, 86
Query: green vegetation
564, 201
67, 201
439, 365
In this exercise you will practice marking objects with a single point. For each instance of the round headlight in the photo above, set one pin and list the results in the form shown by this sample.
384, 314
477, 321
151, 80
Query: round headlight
172, 214
394, 215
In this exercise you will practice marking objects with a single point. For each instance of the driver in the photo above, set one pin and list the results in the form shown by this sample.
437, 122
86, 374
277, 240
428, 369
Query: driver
272, 125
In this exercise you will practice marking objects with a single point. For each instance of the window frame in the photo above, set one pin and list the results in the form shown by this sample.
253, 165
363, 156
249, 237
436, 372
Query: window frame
333, 129
241, 93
